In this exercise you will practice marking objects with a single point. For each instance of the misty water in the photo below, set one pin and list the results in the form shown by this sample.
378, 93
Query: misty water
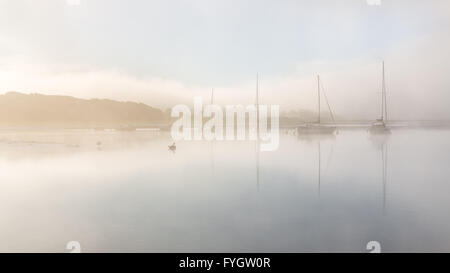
125, 191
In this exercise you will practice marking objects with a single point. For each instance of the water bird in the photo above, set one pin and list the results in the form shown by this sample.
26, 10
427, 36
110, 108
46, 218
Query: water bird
172, 147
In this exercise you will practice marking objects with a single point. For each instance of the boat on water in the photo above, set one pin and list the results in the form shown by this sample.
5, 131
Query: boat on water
318, 128
379, 127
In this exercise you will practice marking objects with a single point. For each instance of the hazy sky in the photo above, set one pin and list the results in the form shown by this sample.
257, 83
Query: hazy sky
162, 52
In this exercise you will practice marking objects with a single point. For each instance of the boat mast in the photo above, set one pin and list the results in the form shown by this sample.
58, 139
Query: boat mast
257, 105
383, 97
318, 96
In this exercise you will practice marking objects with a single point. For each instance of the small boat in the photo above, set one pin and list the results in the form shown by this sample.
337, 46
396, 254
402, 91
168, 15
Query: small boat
379, 126
317, 128
172, 147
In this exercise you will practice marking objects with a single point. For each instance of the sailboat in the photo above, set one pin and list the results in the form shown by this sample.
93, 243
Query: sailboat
317, 127
379, 126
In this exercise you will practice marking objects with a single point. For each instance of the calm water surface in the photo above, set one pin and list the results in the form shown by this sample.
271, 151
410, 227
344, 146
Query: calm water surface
125, 191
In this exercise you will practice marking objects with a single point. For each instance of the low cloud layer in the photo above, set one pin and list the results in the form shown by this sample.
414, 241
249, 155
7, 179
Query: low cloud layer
417, 84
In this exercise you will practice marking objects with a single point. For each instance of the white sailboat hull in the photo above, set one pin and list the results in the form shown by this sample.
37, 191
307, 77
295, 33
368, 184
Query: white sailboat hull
379, 128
